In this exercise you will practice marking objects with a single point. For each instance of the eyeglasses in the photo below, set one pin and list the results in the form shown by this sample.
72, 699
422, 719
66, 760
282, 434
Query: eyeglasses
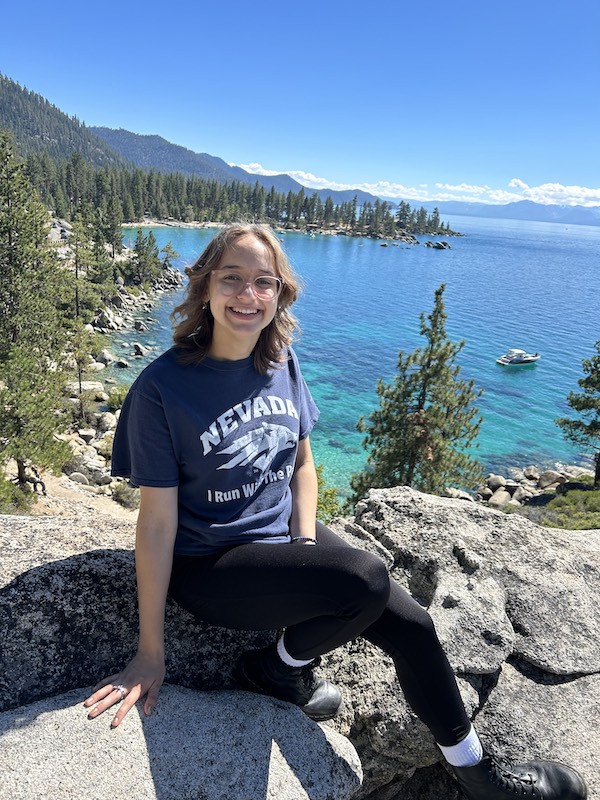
266, 287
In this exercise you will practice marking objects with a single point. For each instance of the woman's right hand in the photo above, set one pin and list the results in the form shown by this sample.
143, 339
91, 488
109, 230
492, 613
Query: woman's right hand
143, 676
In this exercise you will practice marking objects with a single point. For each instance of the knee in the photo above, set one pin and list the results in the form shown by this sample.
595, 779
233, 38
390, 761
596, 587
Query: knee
422, 628
370, 582
409, 617
378, 577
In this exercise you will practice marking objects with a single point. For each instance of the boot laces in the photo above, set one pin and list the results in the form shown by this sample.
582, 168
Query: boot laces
307, 675
522, 785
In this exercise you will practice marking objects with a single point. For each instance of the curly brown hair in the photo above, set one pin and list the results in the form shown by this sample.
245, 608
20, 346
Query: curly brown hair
193, 333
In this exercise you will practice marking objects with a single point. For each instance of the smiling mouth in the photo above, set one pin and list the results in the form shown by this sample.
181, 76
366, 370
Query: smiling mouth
246, 312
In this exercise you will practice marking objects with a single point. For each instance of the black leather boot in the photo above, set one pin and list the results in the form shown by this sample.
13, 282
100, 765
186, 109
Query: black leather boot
542, 780
264, 672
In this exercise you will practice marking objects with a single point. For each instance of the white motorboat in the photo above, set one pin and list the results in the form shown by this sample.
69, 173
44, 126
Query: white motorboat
515, 357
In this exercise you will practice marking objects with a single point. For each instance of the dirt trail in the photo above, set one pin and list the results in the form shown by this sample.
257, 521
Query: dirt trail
65, 498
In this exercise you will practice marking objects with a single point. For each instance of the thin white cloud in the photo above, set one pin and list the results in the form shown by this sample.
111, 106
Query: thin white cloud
314, 182
516, 190
517, 183
500, 197
558, 194
463, 188
256, 169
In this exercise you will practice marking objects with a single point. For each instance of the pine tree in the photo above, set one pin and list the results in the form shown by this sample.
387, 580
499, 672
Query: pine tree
32, 336
586, 431
146, 265
81, 247
168, 254
112, 227
103, 270
426, 422
328, 505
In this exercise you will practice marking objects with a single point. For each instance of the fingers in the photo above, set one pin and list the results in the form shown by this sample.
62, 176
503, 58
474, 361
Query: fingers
112, 679
142, 676
107, 696
129, 701
99, 694
151, 700
113, 693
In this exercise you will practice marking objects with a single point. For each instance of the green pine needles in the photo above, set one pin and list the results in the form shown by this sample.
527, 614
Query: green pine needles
32, 339
585, 431
426, 425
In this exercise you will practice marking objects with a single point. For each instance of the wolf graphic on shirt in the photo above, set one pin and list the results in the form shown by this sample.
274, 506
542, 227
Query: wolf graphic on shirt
259, 447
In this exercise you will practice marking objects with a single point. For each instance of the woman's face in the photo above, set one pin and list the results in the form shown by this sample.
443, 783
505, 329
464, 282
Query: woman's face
241, 306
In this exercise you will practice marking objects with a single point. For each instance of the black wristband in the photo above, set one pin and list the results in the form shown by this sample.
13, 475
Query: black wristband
303, 539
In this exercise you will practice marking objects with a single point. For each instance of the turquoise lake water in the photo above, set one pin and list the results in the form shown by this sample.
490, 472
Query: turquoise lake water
508, 284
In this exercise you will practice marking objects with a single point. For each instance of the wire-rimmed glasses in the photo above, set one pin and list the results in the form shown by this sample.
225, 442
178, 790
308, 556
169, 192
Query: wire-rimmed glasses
265, 287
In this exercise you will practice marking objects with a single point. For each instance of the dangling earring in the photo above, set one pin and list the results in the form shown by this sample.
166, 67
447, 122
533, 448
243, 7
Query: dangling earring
204, 306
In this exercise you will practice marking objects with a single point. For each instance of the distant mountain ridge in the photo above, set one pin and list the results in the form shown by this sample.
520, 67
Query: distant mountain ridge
38, 126
154, 152
522, 209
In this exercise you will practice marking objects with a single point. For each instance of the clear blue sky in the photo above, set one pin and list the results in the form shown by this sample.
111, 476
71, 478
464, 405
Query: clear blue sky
489, 101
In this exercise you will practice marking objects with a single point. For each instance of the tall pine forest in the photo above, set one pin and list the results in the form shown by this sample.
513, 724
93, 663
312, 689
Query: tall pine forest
74, 171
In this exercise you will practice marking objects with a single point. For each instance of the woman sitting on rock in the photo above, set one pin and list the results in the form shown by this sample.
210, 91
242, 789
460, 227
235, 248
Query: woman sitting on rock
215, 432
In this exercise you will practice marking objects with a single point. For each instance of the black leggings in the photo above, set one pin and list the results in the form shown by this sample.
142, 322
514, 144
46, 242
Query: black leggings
325, 596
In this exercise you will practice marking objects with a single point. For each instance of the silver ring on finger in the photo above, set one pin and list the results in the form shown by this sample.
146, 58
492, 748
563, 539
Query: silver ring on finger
121, 690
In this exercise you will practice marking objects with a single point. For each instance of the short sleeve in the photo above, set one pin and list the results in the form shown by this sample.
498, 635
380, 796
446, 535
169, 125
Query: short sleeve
143, 446
308, 410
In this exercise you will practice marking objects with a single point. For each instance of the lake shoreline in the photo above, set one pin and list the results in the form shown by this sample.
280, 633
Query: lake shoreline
64, 496
310, 230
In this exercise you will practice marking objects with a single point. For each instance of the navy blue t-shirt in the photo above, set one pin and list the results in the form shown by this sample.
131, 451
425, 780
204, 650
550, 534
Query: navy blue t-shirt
226, 436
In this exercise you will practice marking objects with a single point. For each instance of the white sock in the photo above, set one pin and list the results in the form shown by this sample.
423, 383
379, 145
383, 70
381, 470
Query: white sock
466, 753
287, 658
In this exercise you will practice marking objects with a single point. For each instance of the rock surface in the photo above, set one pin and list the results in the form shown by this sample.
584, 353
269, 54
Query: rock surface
517, 608
67, 618
515, 605
200, 745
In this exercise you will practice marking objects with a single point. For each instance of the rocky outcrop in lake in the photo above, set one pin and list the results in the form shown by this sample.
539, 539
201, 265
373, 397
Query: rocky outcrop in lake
525, 485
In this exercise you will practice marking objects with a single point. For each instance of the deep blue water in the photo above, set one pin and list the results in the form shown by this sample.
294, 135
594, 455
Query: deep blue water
508, 284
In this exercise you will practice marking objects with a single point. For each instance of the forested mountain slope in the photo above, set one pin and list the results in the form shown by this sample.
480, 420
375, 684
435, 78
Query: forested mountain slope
37, 126
156, 153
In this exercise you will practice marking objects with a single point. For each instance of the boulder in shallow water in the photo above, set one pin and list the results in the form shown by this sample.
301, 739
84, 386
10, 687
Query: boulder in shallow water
500, 497
495, 482
550, 477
